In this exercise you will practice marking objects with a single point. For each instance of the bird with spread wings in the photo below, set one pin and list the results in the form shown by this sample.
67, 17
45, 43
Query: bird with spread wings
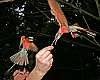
21, 58
63, 23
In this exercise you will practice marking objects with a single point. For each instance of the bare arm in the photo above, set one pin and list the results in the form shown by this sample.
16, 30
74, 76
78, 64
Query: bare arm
43, 64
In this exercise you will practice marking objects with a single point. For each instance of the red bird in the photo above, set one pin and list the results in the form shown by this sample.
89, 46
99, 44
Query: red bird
61, 19
21, 58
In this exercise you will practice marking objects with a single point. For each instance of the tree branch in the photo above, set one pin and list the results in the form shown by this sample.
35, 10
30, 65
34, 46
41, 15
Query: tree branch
2, 1
98, 7
81, 10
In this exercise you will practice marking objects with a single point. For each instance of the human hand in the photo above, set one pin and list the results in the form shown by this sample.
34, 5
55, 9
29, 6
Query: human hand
44, 60
20, 74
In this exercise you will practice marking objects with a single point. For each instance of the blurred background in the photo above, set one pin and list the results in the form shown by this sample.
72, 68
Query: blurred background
77, 58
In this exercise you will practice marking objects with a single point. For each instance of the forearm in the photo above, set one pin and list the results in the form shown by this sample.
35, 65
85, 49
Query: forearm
35, 75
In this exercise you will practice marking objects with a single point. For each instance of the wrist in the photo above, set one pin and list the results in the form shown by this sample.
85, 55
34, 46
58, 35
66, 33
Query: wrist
35, 74
39, 72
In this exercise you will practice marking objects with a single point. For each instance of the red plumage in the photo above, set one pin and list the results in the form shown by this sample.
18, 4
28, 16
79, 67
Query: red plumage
21, 58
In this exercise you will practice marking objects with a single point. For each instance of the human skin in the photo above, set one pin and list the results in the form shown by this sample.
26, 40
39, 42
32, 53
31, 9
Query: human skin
44, 60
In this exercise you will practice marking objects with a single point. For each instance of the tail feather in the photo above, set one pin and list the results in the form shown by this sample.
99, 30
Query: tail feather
14, 57
20, 58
